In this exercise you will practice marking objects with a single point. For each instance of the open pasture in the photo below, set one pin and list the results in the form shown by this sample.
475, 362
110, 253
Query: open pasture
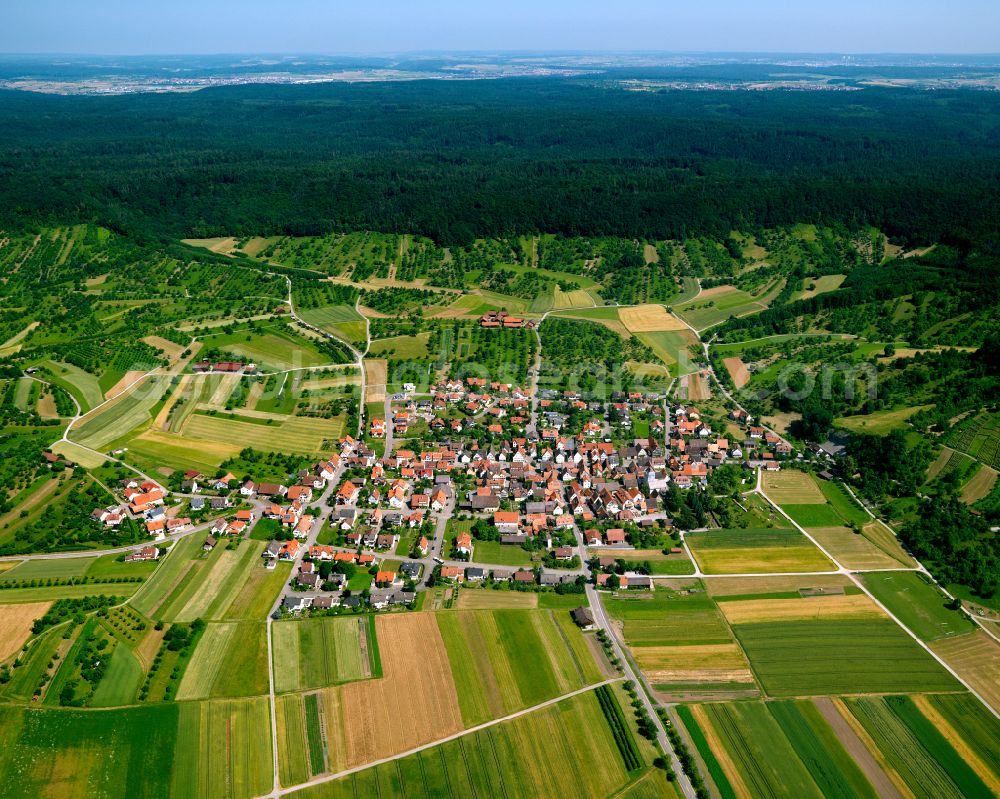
15, 625
549, 754
917, 603
791, 487
315, 653
748, 551
506, 660
839, 656
401, 347
813, 515
819, 285
649, 319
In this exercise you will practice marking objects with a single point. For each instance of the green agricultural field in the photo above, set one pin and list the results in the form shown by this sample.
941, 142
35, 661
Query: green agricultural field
22, 595
120, 682
401, 347
880, 422
920, 753
314, 653
918, 604
505, 660
814, 515
83, 754
274, 350
213, 582
549, 754
814, 658
82, 385
59, 568
843, 502
223, 750
970, 721
171, 569
820, 751
230, 660
708, 311
293, 434
121, 416
673, 348
756, 551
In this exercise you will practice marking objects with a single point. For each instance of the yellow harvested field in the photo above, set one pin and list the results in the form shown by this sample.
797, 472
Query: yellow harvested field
15, 625
697, 387
749, 560
384, 718
578, 298
376, 375
886, 540
660, 662
854, 550
715, 292
772, 584
976, 658
488, 600
160, 422
837, 606
173, 351
124, 384
220, 244
737, 371
47, 407
223, 389
77, 454
980, 485
789, 487
649, 319
214, 450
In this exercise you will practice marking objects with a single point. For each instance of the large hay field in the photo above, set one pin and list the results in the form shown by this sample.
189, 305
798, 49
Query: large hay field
749, 551
853, 550
838, 606
976, 657
649, 319
791, 487
880, 422
492, 600
506, 660
839, 656
917, 603
301, 435
316, 653
15, 625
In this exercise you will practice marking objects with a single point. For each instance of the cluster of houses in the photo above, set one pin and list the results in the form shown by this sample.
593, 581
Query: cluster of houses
493, 319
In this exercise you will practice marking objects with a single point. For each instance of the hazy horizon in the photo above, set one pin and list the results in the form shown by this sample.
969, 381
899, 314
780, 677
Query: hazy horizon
119, 28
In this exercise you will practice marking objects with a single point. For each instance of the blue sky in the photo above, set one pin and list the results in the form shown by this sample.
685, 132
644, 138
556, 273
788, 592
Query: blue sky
381, 26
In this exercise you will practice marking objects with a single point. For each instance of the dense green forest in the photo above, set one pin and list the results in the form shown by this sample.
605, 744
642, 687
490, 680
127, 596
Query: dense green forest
460, 160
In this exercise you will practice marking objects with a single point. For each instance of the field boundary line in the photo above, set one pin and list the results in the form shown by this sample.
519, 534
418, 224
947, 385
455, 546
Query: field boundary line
415, 750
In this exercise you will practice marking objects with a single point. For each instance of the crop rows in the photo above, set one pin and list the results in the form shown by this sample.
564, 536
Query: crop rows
619, 729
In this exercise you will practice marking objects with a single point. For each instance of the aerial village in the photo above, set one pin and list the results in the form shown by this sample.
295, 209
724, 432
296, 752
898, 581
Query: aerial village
526, 489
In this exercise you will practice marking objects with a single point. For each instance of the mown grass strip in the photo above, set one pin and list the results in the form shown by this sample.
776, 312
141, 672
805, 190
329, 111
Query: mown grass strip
708, 757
